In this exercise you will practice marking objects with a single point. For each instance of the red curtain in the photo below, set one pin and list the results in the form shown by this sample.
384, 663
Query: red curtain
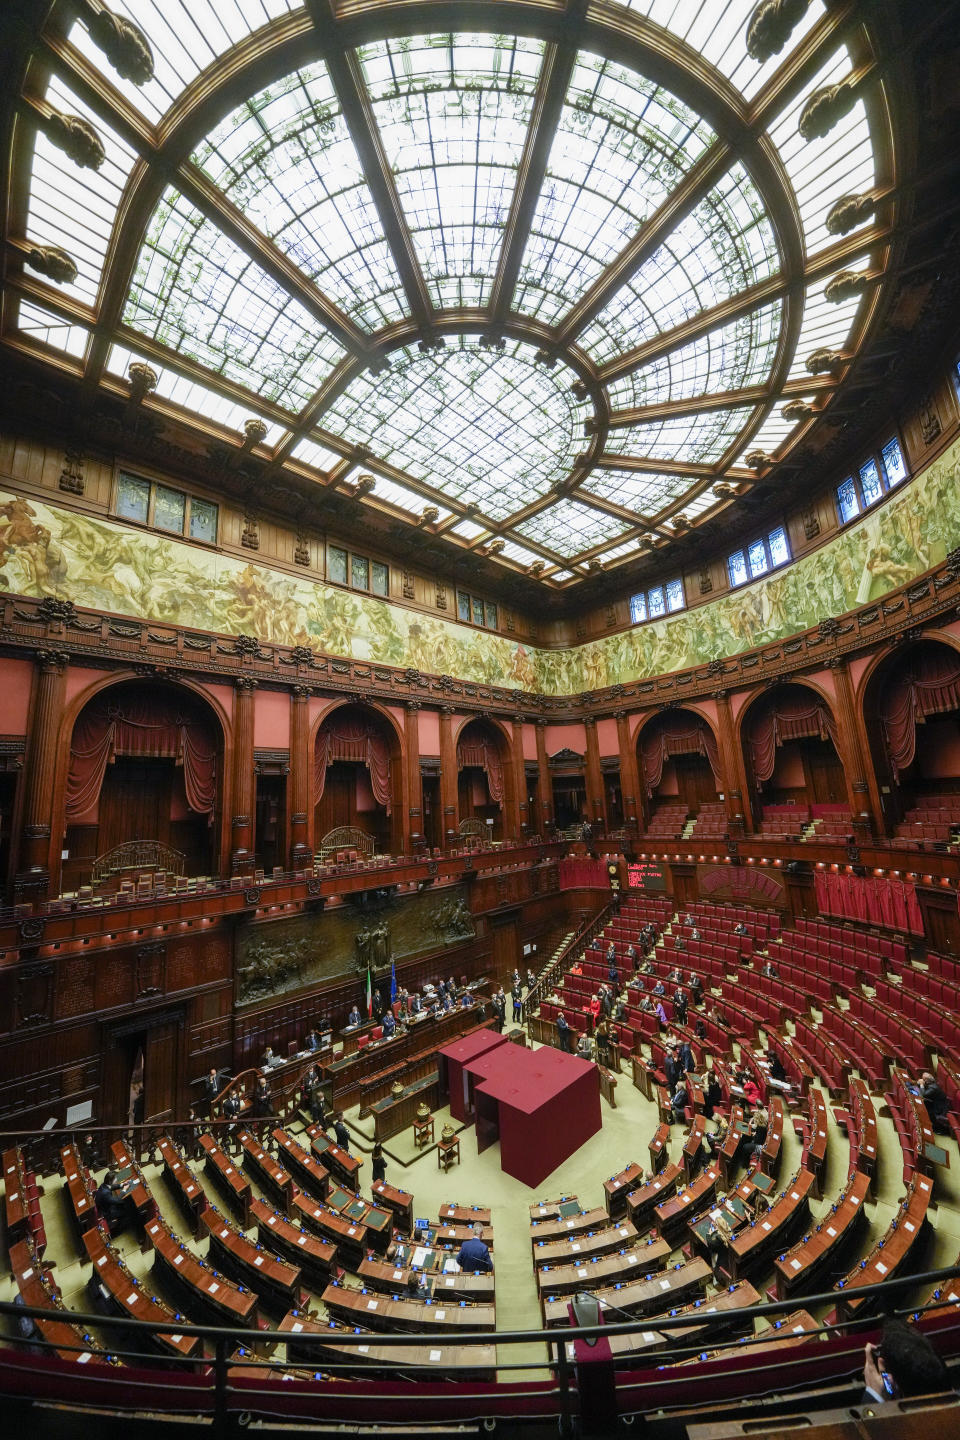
151, 727
870, 899
358, 740
484, 754
930, 687
677, 737
793, 718
575, 871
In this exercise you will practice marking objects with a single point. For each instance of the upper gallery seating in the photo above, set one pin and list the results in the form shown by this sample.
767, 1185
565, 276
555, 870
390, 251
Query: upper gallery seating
667, 822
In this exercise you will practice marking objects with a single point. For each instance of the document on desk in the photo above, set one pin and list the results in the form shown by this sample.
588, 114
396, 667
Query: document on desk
450, 1266
419, 1255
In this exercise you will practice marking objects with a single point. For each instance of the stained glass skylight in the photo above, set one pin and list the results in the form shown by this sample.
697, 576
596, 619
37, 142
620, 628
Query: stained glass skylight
432, 246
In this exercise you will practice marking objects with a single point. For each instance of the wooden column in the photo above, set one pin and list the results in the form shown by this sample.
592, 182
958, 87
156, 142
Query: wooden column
301, 775
36, 869
412, 786
629, 777
735, 785
448, 778
242, 791
544, 783
596, 794
862, 790
520, 818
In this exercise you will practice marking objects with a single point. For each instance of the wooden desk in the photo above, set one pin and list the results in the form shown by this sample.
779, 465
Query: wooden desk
641, 1297
658, 1147
37, 1288
693, 1146
80, 1189
400, 1202
569, 1225
608, 1086
448, 1153
378, 1223
581, 1247
275, 1282
423, 1038
15, 1203
454, 1214
351, 1240
642, 1202
228, 1178
129, 1299
730, 1148
673, 1214
182, 1181
753, 1245
269, 1174
390, 1279
864, 1118
306, 1169
143, 1202
394, 1113
345, 1167
789, 1330
552, 1209
891, 1253
770, 1154
616, 1189
316, 1258
311, 1342
358, 1307
802, 1265
211, 1298
597, 1271
817, 1139
719, 1315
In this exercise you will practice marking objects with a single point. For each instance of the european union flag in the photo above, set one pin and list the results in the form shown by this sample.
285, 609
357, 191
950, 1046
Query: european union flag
393, 981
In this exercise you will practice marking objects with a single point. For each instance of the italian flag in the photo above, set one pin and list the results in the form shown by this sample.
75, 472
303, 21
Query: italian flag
369, 993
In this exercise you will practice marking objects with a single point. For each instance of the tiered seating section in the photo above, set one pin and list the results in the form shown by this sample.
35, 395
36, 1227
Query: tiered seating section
711, 822
667, 822
931, 822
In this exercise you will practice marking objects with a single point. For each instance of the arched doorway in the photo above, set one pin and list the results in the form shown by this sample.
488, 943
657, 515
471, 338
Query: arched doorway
145, 767
911, 708
358, 777
484, 777
678, 764
794, 771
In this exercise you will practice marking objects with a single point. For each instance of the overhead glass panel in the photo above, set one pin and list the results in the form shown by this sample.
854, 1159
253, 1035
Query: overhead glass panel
622, 145
36, 323
568, 528
825, 326
699, 504
286, 160
741, 353
635, 490
724, 245
690, 439
453, 114
403, 499
488, 428
191, 396
185, 36
199, 294
75, 208
311, 453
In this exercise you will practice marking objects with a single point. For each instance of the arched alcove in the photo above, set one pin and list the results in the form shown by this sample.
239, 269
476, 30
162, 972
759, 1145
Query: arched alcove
358, 776
484, 777
794, 771
678, 764
145, 765
911, 712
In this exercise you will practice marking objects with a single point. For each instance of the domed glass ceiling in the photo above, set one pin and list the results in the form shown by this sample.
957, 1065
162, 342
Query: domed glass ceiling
556, 285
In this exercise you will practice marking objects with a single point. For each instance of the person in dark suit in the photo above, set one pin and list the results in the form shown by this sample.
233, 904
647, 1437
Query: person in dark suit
377, 1006
389, 1025
262, 1099
679, 1101
775, 1064
473, 1253
341, 1132
936, 1102
903, 1363
563, 1032
516, 995
416, 1004
712, 1095
112, 1202
378, 1165
230, 1111
500, 1008
211, 1089
671, 1069
312, 1040
354, 1017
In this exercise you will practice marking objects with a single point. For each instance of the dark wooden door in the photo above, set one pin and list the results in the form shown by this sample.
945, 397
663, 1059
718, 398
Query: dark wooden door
160, 1069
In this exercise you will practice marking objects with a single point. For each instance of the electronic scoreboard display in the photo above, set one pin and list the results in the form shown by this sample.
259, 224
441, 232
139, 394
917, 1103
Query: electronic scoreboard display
646, 875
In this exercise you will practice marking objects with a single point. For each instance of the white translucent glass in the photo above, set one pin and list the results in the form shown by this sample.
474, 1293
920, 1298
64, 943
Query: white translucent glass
467, 529
825, 325
699, 504
75, 208
519, 553
779, 548
735, 355
568, 528
403, 499
38, 324
312, 453
198, 293
465, 102
693, 439
490, 428
286, 160
635, 489
675, 597
621, 146
193, 397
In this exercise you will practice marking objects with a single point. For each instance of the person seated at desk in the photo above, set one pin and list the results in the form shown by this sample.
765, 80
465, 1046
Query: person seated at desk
416, 1004
389, 1025
694, 933
759, 1125
416, 1284
268, 1058
466, 1000
473, 1254
659, 989
679, 943
903, 1363
751, 1090
311, 1040
647, 967
353, 1018
679, 1101
938, 1106
447, 1003
740, 928
771, 971
646, 1004
720, 1232
112, 1200
451, 988
775, 1066
585, 1047
712, 1095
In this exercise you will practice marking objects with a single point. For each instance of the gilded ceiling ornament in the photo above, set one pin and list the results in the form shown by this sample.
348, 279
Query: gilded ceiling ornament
848, 212
771, 25
53, 262
798, 410
124, 44
825, 362
429, 515
254, 431
143, 379
365, 485
76, 138
846, 285
825, 107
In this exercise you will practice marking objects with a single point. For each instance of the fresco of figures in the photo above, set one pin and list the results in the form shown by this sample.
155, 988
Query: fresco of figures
102, 564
